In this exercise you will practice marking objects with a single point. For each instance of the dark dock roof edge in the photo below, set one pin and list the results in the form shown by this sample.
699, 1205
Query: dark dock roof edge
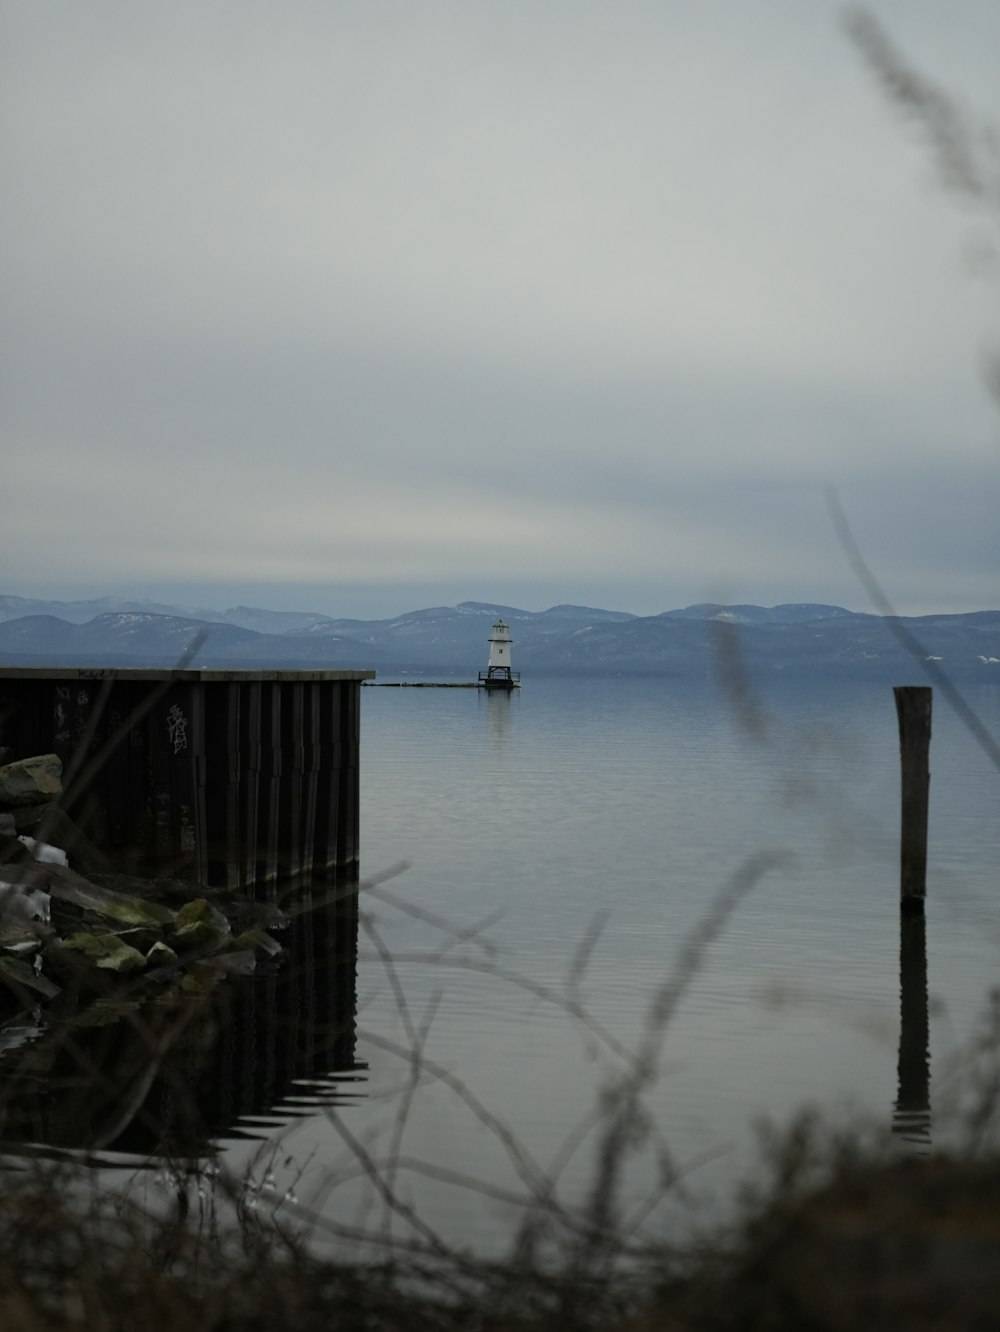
166, 674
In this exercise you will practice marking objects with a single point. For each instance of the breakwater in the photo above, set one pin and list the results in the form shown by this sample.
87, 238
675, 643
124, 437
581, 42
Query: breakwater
423, 684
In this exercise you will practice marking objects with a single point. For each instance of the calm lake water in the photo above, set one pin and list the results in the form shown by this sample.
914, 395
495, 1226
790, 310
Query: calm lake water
563, 848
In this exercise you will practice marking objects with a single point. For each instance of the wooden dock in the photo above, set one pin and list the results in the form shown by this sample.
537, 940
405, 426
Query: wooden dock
230, 778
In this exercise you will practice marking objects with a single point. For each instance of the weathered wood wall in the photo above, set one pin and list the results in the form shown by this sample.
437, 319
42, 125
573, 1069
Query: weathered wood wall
231, 778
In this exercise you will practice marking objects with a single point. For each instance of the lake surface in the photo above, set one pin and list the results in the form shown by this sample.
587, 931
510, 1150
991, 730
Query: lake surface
565, 849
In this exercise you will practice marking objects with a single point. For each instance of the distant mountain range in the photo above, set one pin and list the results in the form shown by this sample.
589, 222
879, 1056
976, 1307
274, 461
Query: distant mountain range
451, 641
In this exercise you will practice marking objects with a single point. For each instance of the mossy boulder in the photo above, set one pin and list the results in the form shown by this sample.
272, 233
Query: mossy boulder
107, 951
161, 955
200, 912
31, 780
259, 941
18, 974
22, 937
122, 908
141, 938
199, 936
130, 911
198, 925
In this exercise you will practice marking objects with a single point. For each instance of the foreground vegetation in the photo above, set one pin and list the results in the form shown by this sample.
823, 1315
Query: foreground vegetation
840, 1238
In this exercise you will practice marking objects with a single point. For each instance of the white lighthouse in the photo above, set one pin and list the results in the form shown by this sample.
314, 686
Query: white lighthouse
498, 674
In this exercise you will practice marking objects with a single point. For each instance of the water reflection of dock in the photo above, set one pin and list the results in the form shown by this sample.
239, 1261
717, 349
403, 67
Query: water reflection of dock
174, 1075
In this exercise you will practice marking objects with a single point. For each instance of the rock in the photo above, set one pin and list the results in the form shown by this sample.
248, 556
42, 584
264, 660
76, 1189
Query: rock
200, 978
30, 780
12, 850
199, 925
134, 885
19, 902
160, 954
242, 963
259, 942
140, 938
265, 916
8, 827
12, 969
44, 852
67, 886
201, 912
49, 823
200, 935
19, 936
106, 950
129, 935
129, 911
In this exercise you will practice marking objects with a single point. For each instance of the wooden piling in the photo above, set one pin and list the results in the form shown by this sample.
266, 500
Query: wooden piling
913, 710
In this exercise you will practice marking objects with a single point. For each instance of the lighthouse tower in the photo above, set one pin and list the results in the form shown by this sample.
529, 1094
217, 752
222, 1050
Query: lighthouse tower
498, 674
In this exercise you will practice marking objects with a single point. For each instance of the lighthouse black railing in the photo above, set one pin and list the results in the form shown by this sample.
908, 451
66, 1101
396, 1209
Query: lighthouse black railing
499, 675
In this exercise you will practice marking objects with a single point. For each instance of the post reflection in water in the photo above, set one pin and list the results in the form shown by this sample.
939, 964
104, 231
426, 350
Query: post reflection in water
213, 1057
911, 1118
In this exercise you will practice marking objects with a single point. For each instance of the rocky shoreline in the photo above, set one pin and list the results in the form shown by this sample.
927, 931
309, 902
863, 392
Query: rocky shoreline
70, 920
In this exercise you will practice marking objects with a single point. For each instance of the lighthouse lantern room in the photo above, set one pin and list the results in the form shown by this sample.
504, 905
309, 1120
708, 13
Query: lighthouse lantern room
498, 674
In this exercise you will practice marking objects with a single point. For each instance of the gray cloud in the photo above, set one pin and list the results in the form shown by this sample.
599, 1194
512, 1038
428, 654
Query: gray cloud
558, 297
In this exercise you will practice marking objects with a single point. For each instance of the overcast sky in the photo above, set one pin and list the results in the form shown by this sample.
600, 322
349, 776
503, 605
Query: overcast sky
360, 306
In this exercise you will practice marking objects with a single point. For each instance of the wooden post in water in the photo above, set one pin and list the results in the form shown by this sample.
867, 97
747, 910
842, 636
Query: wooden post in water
913, 709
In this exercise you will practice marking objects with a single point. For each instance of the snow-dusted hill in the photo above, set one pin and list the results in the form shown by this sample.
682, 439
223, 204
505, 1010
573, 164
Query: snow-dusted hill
794, 640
